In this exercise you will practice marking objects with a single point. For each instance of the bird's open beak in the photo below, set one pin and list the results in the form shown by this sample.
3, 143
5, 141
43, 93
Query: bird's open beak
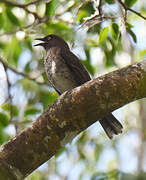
40, 44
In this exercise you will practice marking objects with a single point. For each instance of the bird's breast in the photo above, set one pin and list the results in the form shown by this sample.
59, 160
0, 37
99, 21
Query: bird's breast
59, 74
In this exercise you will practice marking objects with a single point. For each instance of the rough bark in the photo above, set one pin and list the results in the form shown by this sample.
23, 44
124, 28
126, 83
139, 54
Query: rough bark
70, 114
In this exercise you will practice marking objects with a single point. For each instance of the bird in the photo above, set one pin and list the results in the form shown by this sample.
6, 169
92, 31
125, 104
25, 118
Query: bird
65, 71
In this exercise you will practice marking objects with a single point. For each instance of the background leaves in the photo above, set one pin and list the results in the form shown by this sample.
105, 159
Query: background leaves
103, 43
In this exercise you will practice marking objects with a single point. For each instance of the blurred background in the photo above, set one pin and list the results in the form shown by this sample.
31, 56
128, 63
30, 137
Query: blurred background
105, 35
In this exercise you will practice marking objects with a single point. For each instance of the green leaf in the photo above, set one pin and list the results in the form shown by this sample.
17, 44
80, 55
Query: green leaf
89, 67
12, 51
142, 54
2, 45
87, 62
81, 15
50, 8
9, 107
88, 7
60, 152
27, 67
4, 119
28, 85
130, 3
31, 111
1, 21
60, 28
97, 151
110, 1
28, 43
132, 35
16, 51
110, 52
103, 35
12, 17
114, 30
94, 29
128, 25
47, 97
3, 136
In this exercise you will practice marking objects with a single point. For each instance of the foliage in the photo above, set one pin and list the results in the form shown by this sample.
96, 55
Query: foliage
28, 90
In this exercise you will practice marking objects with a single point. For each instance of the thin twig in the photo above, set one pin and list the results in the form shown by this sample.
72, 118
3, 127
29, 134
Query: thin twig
40, 20
19, 5
99, 7
9, 94
95, 19
129, 9
20, 73
137, 13
23, 6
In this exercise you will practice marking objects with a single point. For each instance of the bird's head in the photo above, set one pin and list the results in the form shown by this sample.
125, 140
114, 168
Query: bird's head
52, 40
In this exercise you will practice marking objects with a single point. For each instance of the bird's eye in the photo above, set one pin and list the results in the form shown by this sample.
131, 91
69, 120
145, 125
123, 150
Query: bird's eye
49, 38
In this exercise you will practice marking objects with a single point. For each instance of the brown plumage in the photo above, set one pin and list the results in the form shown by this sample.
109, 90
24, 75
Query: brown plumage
65, 71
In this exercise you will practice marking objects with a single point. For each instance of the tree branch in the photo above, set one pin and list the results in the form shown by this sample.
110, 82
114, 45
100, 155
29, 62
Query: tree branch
6, 65
9, 94
99, 7
129, 9
70, 114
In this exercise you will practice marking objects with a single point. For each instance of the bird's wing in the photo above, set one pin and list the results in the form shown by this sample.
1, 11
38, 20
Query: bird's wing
79, 71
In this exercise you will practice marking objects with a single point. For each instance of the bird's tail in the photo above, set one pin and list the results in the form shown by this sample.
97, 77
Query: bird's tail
111, 125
